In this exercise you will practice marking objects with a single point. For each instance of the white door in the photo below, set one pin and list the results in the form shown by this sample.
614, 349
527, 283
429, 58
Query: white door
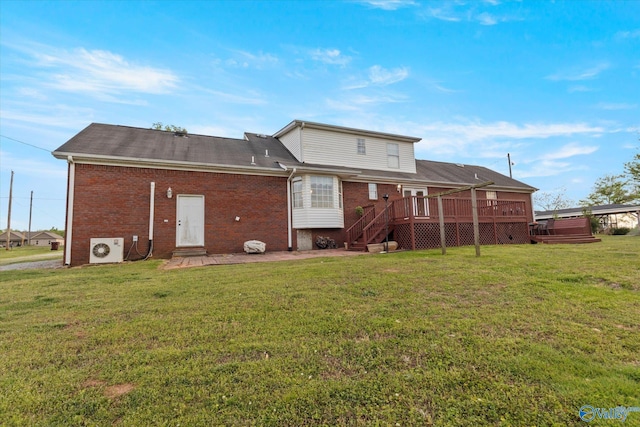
190, 221
420, 206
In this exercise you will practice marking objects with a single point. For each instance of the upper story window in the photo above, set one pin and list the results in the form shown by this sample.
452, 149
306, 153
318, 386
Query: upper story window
491, 195
393, 156
296, 190
322, 192
362, 148
373, 191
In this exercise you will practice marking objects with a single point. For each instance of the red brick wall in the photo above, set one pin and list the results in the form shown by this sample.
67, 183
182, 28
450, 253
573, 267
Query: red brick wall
112, 201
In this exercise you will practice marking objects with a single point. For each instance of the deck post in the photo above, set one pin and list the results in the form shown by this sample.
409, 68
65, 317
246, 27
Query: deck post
412, 224
476, 226
443, 240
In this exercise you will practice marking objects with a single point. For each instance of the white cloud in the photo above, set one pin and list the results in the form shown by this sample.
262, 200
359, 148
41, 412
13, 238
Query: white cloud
616, 106
634, 34
579, 88
478, 131
388, 4
252, 98
103, 72
329, 56
442, 14
357, 103
580, 74
570, 150
378, 76
547, 168
461, 11
382, 77
244, 59
443, 89
30, 166
486, 19
55, 116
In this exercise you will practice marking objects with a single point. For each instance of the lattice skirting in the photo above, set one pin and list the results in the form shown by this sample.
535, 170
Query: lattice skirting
427, 236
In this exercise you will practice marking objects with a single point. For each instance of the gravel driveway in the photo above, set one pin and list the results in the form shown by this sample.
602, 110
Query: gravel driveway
50, 264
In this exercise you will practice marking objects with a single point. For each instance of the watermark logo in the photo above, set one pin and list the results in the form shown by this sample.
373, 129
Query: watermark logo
589, 413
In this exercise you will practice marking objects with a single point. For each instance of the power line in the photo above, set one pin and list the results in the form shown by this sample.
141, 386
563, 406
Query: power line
26, 143
35, 198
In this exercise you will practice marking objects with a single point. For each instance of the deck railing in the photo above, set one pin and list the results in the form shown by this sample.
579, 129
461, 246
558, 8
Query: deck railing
355, 231
420, 209
454, 209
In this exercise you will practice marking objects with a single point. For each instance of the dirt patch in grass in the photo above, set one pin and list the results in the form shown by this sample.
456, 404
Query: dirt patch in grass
118, 390
112, 391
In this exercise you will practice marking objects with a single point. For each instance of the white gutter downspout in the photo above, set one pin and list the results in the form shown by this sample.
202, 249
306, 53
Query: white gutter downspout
151, 216
69, 228
289, 212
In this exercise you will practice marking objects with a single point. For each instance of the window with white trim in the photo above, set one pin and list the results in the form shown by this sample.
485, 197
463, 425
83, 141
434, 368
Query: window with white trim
362, 148
373, 191
393, 156
296, 193
321, 192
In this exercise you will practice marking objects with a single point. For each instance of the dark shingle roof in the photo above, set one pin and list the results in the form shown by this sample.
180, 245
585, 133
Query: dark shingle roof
148, 145
456, 173
123, 142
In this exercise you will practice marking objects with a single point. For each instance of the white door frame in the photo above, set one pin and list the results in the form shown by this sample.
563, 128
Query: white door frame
420, 208
189, 220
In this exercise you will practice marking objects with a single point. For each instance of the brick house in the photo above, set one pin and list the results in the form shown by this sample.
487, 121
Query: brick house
178, 192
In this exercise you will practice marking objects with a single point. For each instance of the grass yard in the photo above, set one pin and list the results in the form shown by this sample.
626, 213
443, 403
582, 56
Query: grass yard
29, 253
523, 335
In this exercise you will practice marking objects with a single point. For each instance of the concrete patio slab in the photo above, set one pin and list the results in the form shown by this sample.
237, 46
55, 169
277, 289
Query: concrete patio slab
243, 258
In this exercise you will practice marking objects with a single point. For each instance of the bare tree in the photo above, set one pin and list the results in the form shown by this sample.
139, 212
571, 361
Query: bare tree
553, 200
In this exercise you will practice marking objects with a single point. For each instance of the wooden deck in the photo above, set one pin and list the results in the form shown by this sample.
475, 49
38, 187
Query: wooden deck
414, 223
558, 239
573, 230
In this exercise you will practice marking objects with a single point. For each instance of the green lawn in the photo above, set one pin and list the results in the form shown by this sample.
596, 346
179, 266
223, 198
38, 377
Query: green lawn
523, 335
28, 253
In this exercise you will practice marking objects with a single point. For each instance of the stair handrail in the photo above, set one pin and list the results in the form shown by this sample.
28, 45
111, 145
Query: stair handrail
381, 222
355, 231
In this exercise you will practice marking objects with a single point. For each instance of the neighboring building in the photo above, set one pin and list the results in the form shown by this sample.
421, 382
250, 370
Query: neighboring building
45, 238
176, 192
609, 216
35, 238
16, 238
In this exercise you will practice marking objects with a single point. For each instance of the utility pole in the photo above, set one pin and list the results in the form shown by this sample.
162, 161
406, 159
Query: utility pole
509, 159
9, 214
30, 210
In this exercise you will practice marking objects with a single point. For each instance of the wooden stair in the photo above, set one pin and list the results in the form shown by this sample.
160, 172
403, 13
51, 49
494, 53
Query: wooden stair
566, 239
190, 251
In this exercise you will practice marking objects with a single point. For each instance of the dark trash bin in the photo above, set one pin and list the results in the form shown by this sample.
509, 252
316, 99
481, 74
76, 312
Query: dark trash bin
54, 246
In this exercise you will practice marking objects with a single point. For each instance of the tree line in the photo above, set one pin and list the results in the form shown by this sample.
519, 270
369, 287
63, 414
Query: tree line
610, 189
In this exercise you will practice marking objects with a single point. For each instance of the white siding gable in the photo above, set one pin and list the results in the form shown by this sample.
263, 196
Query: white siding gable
333, 148
292, 140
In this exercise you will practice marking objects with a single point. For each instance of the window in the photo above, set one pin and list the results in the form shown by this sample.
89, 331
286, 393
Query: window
362, 149
393, 156
297, 193
373, 191
321, 192
491, 195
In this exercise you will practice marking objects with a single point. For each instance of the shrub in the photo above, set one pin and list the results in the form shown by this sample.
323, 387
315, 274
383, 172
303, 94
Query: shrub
620, 231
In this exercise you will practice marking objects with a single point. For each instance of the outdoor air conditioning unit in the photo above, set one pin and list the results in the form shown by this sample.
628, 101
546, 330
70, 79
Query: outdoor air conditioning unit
106, 250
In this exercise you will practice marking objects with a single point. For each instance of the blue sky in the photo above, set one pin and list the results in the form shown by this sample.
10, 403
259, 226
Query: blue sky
555, 84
